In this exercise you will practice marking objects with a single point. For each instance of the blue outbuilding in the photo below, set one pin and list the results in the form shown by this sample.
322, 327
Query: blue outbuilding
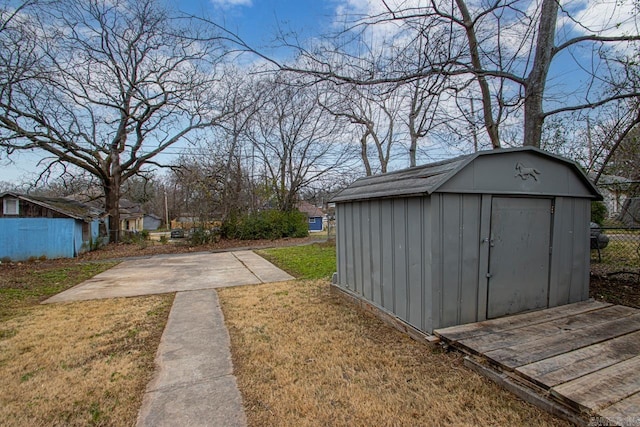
36, 226
315, 216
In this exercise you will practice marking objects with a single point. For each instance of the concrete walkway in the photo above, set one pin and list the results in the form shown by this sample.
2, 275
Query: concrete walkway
194, 383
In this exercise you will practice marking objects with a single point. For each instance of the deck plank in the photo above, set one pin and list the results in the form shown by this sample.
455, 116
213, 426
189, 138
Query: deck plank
562, 325
624, 413
585, 356
533, 351
603, 388
470, 330
569, 366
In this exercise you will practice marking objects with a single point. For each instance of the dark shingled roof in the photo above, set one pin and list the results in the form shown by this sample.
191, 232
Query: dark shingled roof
426, 179
68, 207
309, 209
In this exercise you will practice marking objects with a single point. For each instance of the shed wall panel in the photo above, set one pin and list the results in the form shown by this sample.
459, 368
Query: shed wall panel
376, 251
400, 261
436, 248
358, 248
459, 239
470, 258
569, 276
582, 252
562, 252
451, 223
415, 261
23, 238
77, 238
367, 252
351, 249
387, 265
341, 244
427, 263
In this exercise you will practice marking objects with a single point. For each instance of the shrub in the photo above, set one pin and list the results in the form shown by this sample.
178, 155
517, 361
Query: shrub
598, 212
202, 236
270, 224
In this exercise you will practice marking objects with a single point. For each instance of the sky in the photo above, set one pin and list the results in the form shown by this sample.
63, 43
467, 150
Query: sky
258, 21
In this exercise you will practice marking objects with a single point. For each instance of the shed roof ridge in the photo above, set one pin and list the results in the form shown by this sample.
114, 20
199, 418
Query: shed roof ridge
432, 177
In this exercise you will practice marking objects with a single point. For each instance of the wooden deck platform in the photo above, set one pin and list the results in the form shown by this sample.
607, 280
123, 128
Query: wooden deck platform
584, 357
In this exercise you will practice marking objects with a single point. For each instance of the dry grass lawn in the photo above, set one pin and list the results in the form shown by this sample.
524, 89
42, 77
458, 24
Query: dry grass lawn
79, 364
304, 355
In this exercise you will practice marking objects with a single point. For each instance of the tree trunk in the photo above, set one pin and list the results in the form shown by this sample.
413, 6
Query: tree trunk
413, 135
534, 88
487, 110
112, 202
364, 153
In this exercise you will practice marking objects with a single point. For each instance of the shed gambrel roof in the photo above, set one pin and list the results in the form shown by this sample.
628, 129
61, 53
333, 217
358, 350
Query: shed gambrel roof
68, 207
430, 178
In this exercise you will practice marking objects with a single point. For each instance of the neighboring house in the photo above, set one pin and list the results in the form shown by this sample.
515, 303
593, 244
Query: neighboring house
131, 216
615, 190
35, 226
151, 222
314, 215
630, 212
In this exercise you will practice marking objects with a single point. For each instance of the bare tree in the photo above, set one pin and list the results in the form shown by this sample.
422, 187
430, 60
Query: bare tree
231, 138
107, 86
296, 141
375, 112
507, 47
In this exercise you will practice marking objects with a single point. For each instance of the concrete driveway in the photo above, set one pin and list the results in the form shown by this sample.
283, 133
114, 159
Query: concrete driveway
193, 385
173, 273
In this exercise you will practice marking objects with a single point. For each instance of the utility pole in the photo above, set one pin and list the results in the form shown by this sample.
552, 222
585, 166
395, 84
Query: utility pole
166, 211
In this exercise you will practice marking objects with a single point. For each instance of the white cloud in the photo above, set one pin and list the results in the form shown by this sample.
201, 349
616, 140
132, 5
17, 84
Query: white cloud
231, 3
606, 17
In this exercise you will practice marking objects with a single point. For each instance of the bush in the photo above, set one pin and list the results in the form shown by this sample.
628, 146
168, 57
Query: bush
598, 212
202, 236
269, 224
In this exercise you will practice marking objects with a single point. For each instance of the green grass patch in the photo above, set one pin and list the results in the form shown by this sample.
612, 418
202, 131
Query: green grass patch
25, 285
620, 253
317, 261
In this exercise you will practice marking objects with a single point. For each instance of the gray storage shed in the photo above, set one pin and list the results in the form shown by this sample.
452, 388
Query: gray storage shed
468, 239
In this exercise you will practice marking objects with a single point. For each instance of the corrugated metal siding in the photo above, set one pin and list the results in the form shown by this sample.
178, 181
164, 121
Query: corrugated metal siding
22, 238
376, 225
381, 255
386, 254
456, 253
426, 258
569, 275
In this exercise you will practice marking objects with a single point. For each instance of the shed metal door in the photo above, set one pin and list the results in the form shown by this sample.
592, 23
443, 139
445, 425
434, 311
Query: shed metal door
518, 255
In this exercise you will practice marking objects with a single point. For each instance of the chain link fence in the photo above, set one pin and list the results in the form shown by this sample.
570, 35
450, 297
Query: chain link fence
615, 251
